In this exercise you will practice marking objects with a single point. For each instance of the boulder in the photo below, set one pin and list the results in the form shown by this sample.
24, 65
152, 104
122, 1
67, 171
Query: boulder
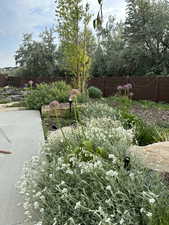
154, 156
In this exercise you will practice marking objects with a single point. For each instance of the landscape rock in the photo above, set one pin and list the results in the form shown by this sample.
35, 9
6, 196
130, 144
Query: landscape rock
16, 97
154, 156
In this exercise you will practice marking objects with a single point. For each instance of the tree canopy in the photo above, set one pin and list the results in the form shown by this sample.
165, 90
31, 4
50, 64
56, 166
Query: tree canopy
37, 58
137, 46
141, 45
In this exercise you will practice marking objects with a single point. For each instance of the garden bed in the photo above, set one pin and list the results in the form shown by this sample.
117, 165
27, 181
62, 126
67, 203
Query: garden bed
88, 174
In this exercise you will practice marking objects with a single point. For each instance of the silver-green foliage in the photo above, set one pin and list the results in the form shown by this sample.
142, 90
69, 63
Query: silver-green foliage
80, 179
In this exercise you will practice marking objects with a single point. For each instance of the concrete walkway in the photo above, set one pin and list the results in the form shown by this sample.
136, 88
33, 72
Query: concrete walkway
24, 129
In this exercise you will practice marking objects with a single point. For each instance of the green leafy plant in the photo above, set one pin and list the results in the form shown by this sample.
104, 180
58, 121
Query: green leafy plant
82, 98
45, 93
74, 36
145, 134
94, 92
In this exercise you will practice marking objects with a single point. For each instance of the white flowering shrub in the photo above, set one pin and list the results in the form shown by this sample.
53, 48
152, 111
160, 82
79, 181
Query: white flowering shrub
99, 110
81, 180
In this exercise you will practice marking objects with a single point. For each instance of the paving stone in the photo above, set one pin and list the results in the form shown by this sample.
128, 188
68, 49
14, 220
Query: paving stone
24, 129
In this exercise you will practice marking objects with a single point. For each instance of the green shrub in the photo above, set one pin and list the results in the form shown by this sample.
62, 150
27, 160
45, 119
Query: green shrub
44, 93
80, 179
145, 134
121, 101
128, 119
94, 92
82, 98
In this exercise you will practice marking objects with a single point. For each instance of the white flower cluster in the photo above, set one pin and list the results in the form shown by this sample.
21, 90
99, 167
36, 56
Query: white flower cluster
75, 164
108, 130
99, 110
102, 130
53, 137
27, 185
151, 197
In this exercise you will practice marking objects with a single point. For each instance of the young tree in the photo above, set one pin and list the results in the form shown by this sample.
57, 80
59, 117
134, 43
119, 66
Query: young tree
73, 19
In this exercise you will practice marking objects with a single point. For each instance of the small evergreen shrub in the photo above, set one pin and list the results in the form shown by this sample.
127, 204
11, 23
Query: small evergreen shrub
95, 92
45, 93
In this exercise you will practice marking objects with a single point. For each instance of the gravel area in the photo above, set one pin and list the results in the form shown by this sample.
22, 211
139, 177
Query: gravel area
151, 115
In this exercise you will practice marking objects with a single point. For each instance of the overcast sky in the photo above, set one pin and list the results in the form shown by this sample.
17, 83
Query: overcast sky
32, 16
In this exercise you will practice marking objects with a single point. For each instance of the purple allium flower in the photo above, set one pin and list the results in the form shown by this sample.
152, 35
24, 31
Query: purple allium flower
130, 86
119, 87
30, 82
127, 86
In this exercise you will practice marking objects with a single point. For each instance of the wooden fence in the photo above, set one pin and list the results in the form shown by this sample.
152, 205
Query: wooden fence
149, 88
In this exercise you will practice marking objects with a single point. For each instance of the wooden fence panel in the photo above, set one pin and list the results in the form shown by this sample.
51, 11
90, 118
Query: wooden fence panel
111, 84
163, 89
144, 88
98, 82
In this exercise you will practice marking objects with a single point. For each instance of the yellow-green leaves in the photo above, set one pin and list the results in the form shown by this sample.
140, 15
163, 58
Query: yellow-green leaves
74, 17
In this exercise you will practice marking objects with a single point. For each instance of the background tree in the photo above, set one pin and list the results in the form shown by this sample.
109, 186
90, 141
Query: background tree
147, 32
108, 59
73, 19
37, 58
140, 46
